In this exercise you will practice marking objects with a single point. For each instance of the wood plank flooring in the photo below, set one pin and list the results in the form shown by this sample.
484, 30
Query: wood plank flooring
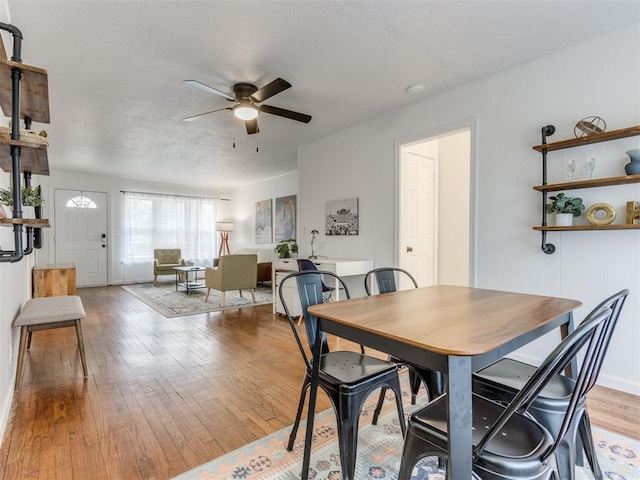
165, 395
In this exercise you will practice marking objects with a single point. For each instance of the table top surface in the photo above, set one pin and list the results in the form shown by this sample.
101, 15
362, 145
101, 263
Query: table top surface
190, 268
448, 320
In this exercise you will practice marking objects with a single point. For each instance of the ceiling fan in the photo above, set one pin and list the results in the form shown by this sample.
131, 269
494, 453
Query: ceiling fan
246, 97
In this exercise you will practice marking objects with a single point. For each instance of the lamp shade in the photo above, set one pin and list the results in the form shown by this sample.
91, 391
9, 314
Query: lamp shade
245, 111
224, 226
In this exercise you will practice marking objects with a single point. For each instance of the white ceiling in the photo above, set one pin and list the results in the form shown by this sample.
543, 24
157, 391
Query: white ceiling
116, 71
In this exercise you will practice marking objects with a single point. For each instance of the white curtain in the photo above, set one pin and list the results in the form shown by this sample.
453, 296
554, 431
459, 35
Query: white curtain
166, 221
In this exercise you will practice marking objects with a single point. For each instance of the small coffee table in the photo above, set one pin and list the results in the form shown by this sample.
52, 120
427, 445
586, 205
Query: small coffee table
188, 284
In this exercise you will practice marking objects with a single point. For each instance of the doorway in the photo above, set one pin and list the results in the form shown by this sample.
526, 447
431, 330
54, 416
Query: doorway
81, 234
434, 208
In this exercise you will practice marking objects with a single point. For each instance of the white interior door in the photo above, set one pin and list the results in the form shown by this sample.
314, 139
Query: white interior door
81, 234
434, 215
418, 245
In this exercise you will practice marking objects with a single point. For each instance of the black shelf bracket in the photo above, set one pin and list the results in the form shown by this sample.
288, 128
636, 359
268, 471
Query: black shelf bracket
547, 248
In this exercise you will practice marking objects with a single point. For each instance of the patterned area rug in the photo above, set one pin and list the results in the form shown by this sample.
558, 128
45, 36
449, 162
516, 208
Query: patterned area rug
164, 298
379, 452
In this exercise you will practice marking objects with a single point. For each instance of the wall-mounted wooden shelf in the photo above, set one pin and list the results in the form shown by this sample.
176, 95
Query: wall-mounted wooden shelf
34, 91
545, 188
617, 226
596, 182
589, 139
28, 222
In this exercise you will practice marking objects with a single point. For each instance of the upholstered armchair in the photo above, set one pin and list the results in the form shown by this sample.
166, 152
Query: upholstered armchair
234, 272
164, 259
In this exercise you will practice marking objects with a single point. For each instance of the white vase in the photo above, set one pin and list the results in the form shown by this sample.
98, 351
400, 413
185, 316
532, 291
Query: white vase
564, 219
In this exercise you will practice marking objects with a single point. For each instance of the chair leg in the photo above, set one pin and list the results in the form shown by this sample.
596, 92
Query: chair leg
253, 295
294, 430
348, 414
240, 293
589, 448
207, 295
155, 279
21, 350
222, 299
83, 358
376, 413
414, 384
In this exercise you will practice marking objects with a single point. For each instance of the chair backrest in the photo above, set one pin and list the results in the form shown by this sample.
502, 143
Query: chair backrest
167, 255
586, 337
238, 271
310, 293
386, 279
615, 303
306, 264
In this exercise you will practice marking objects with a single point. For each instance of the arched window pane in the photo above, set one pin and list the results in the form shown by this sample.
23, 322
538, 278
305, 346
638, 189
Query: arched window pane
81, 202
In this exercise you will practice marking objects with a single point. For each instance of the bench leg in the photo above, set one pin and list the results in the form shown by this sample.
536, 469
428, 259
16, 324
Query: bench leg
83, 358
24, 333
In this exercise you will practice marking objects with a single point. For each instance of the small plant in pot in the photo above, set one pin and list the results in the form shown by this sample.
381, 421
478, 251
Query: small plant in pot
30, 197
565, 208
285, 248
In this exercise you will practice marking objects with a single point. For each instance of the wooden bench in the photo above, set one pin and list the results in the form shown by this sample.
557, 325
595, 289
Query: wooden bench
46, 313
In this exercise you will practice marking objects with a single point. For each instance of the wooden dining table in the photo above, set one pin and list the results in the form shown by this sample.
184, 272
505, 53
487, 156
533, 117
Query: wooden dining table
456, 330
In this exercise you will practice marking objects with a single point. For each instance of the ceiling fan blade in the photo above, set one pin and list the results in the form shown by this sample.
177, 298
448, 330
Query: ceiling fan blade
270, 89
252, 126
281, 112
207, 88
196, 117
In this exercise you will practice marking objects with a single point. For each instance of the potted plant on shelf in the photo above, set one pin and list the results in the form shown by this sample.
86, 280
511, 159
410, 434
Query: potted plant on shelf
30, 197
565, 208
286, 248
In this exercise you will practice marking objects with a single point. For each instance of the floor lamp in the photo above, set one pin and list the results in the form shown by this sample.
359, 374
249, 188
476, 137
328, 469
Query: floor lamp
224, 228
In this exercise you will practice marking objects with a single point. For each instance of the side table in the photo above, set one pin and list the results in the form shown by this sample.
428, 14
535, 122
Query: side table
54, 280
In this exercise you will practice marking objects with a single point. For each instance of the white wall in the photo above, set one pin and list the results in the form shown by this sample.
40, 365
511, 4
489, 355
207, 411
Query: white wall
244, 211
600, 77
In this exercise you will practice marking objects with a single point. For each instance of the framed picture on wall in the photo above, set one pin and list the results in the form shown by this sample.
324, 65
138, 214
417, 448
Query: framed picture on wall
264, 221
285, 219
341, 217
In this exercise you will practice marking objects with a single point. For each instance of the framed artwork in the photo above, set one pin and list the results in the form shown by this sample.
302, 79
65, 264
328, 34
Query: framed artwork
341, 217
285, 219
264, 222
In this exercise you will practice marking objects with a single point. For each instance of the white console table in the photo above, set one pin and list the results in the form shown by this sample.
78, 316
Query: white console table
343, 267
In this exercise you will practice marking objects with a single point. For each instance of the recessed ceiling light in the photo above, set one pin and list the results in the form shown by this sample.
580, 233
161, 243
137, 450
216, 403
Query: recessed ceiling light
414, 88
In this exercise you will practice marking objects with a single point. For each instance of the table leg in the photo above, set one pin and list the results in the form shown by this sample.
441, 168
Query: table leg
315, 375
177, 280
460, 418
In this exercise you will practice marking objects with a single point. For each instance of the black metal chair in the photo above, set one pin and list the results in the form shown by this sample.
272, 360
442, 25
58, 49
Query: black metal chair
305, 264
502, 380
507, 442
346, 377
434, 381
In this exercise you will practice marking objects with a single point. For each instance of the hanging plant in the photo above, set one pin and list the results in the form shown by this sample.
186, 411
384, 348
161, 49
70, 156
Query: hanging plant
30, 197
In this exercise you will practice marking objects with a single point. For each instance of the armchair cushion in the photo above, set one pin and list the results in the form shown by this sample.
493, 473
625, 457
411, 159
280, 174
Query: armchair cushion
164, 259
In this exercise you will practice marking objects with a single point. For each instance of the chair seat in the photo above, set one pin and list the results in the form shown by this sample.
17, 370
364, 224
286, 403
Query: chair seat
349, 369
522, 440
503, 379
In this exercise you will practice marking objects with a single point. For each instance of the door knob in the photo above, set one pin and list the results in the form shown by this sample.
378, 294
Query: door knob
409, 249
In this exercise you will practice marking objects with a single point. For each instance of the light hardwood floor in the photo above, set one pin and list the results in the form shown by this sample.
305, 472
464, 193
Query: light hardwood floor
167, 394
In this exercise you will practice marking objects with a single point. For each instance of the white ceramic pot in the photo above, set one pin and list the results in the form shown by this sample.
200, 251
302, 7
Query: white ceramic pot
564, 219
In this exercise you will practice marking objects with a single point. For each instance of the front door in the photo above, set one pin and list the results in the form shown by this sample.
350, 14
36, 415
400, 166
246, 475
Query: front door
81, 234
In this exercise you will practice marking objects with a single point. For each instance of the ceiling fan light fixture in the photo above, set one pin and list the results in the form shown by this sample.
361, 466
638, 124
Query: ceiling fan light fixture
245, 111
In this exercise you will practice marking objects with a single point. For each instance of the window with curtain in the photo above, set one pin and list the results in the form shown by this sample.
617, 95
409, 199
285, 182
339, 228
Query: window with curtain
166, 221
